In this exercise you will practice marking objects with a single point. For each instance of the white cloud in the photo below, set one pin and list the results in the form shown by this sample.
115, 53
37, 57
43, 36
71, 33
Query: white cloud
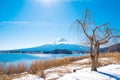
35, 24
14, 22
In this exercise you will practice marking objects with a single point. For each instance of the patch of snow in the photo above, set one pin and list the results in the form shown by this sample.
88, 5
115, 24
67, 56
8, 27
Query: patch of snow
52, 76
57, 69
83, 61
105, 59
29, 77
110, 72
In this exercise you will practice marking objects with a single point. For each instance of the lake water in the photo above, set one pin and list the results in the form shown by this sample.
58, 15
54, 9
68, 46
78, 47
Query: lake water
28, 58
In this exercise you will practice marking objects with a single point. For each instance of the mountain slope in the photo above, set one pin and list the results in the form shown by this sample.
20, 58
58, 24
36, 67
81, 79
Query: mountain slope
50, 47
59, 44
113, 48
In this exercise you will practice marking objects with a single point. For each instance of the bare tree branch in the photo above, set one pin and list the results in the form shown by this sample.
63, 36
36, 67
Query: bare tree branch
98, 27
106, 41
106, 36
86, 14
113, 37
83, 27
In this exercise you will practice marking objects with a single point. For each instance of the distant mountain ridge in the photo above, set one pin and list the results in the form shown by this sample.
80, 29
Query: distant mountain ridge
113, 48
59, 44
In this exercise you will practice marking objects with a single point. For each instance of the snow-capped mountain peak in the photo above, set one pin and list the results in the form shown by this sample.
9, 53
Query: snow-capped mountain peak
59, 40
59, 44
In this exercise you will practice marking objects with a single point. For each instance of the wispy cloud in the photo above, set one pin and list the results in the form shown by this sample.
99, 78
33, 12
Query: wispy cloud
35, 24
64, 0
77, 0
14, 22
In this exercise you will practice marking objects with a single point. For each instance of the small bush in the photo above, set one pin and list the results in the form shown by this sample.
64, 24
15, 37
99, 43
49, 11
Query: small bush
11, 69
21, 67
2, 69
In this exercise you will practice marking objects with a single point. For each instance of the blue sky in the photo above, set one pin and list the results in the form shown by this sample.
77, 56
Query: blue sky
28, 23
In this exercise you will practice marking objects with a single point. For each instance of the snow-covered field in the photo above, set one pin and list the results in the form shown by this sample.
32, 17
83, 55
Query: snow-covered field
29, 77
109, 72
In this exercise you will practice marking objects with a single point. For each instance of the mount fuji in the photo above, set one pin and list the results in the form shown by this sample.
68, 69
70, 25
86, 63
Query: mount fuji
58, 44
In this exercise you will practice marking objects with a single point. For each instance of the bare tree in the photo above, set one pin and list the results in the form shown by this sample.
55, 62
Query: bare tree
99, 35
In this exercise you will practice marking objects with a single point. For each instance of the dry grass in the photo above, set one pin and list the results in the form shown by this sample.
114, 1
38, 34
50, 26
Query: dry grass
37, 67
21, 67
112, 58
10, 77
110, 55
1, 69
42, 65
12, 69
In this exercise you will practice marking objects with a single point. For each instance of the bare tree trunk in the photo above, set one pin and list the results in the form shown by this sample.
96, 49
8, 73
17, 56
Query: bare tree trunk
95, 57
97, 54
94, 63
93, 68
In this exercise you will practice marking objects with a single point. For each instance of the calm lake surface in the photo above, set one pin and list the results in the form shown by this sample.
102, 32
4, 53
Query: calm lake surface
28, 58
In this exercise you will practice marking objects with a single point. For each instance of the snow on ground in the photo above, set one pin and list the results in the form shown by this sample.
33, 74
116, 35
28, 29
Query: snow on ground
83, 61
29, 77
105, 59
110, 72
52, 76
